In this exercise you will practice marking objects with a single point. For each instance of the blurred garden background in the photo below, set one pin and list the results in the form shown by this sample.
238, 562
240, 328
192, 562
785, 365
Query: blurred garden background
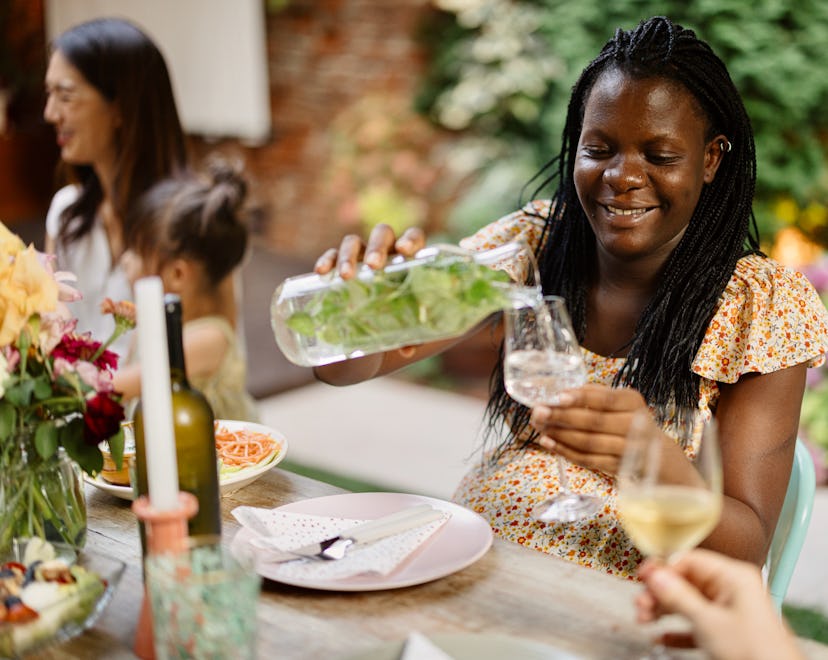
436, 113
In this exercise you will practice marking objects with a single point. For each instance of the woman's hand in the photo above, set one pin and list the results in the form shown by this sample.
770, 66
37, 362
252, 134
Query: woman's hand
589, 425
381, 243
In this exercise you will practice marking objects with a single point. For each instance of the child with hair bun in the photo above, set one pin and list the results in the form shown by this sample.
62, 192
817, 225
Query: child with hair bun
191, 233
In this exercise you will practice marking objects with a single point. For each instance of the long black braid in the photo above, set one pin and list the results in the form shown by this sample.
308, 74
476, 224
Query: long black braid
721, 230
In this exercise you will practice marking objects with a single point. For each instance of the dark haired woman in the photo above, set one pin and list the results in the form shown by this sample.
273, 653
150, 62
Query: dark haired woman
110, 99
191, 233
649, 237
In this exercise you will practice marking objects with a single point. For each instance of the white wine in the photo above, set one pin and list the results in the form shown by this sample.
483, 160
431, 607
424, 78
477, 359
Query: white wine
664, 519
195, 444
535, 377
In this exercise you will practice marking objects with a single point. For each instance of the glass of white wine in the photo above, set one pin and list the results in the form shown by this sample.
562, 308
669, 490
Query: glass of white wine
664, 518
542, 359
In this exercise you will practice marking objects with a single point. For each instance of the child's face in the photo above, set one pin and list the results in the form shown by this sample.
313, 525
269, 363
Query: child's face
133, 266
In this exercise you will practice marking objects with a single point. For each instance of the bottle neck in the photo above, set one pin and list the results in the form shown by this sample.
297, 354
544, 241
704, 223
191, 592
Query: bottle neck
175, 341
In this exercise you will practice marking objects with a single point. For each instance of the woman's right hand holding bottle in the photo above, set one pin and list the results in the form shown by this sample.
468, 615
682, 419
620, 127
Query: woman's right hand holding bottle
382, 243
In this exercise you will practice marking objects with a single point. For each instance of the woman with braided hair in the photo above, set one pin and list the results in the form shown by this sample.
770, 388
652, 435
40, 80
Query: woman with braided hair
648, 234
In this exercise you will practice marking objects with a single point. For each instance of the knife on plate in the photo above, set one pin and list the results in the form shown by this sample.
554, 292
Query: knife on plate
336, 547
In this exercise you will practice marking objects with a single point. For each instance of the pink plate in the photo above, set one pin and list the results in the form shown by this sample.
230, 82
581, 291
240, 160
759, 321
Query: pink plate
464, 539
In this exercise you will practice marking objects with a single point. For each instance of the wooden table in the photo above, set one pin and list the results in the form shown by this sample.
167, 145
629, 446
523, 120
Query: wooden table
510, 591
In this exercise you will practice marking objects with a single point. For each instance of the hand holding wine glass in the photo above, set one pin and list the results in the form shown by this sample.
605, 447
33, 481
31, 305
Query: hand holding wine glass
542, 359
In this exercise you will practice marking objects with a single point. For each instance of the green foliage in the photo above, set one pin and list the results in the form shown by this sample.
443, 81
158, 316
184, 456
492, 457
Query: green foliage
504, 69
807, 623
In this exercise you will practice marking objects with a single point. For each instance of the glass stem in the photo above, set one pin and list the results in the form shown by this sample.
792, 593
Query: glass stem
563, 478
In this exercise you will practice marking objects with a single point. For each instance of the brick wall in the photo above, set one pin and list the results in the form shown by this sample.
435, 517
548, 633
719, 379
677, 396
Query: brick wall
343, 74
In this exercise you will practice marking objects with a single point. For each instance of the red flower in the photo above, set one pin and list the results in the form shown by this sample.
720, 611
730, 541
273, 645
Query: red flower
102, 418
82, 347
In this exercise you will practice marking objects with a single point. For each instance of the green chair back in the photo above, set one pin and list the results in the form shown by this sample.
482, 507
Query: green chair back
792, 525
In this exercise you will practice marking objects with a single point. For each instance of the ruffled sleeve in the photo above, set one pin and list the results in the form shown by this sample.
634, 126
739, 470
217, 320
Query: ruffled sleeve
769, 318
526, 225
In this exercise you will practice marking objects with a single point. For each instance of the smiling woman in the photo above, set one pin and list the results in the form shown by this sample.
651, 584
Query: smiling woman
648, 235
110, 100
644, 154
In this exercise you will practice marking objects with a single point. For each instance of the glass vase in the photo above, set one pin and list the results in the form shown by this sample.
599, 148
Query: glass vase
41, 498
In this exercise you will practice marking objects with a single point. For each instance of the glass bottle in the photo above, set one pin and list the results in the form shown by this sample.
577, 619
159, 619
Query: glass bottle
442, 292
195, 444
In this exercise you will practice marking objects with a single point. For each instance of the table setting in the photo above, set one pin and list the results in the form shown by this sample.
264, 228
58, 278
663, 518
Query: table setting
296, 568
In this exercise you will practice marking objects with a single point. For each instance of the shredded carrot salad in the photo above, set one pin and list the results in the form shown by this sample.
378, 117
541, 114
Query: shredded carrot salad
242, 448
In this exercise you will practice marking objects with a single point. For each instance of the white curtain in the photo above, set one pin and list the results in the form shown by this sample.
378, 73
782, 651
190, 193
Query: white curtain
215, 50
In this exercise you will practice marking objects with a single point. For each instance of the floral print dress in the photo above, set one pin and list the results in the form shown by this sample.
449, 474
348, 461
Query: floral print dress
769, 318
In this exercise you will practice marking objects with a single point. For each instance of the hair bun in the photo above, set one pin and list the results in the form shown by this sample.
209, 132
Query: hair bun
228, 185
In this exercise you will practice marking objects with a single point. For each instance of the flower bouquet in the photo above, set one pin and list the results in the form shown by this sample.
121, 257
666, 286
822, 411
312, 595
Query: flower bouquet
57, 401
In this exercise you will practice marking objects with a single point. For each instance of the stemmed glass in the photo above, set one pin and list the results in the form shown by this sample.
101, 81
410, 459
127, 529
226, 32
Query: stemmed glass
665, 518
542, 359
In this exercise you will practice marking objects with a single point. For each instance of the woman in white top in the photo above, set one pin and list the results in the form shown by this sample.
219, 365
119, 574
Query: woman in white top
110, 99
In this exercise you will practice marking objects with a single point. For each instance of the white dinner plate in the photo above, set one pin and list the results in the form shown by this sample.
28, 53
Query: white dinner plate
474, 646
463, 540
227, 483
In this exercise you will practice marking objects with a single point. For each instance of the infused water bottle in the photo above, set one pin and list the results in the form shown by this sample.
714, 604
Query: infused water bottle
442, 292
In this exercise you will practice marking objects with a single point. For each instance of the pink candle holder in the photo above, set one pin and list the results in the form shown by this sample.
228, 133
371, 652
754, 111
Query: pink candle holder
166, 532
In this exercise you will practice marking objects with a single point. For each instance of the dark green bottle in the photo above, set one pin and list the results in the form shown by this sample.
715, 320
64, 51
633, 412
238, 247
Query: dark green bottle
195, 444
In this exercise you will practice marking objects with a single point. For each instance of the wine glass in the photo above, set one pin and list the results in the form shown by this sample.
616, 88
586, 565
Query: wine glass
542, 359
665, 518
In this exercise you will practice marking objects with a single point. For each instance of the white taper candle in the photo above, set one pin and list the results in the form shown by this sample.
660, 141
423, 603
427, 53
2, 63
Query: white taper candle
156, 396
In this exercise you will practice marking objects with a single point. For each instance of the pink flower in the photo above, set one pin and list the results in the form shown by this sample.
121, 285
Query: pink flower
53, 326
98, 380
66, 293
82, 347
12, 356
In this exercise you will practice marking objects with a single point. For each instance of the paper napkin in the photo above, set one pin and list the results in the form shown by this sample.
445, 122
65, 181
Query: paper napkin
292, 530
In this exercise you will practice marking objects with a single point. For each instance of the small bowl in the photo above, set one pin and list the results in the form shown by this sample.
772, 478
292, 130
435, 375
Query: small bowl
54, 625
110, 471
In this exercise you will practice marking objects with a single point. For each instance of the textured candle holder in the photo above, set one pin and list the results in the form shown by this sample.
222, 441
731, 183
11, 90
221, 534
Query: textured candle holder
166, 532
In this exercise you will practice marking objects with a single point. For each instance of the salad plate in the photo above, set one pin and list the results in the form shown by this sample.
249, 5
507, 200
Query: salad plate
230, 479
461, 541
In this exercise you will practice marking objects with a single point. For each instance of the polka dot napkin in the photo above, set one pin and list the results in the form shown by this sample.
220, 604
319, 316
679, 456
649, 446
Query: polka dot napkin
293, 530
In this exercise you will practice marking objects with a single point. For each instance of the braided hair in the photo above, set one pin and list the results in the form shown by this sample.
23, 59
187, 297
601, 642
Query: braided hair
672, 326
